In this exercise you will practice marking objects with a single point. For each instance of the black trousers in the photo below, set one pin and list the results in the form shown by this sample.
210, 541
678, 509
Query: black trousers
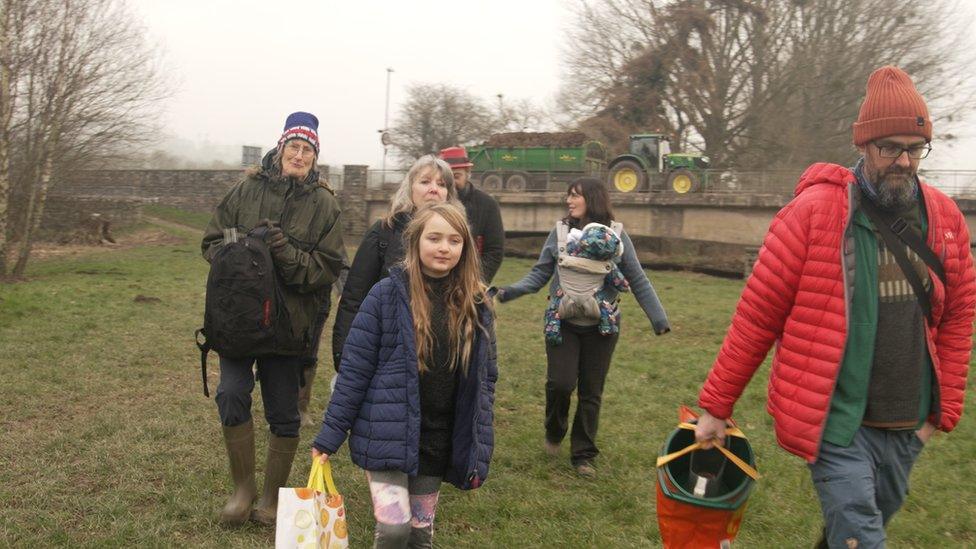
279, 376
580, 362
312, 359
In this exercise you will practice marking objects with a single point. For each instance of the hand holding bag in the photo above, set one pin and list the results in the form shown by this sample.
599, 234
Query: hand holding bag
313, 517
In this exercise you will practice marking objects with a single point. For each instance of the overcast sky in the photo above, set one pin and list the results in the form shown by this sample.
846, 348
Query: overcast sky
238, 67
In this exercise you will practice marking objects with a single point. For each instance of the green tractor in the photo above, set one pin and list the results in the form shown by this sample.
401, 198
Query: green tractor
650, 164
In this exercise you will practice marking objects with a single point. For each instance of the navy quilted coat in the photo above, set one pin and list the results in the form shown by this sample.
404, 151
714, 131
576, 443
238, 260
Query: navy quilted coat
377, 393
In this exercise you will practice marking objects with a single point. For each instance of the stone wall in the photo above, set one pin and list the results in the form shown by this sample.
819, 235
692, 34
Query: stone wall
63, 214
194, 190
352, 199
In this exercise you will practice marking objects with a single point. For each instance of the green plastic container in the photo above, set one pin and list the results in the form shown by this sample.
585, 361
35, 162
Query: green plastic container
674, 481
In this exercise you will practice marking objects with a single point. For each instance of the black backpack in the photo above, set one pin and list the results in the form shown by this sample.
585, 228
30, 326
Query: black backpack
245, 314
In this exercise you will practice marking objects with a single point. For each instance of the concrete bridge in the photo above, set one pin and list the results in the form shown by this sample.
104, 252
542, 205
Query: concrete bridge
711, 232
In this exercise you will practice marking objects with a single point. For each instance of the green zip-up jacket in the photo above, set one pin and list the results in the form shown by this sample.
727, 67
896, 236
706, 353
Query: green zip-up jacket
309, 216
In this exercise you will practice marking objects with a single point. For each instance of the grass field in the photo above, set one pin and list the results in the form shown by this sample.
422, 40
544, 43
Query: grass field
108, 441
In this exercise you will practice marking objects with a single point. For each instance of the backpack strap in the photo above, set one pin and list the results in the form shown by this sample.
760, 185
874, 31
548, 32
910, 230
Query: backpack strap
899, 228
896, 238
383, 241
562, 235
204, 349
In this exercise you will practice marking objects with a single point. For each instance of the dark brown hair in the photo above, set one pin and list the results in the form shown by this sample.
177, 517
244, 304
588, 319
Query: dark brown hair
594, 192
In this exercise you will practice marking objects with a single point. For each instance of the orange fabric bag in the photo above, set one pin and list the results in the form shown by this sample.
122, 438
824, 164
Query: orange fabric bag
687, 518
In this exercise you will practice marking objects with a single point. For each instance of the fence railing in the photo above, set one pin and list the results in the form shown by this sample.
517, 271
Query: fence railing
956, 183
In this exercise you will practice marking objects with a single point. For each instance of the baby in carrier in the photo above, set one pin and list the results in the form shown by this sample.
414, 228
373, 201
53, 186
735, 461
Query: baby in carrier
587, 272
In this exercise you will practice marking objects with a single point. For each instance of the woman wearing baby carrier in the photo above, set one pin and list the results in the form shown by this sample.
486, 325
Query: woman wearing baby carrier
582, 322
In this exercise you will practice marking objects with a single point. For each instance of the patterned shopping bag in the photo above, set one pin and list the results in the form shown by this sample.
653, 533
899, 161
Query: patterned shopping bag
313, 517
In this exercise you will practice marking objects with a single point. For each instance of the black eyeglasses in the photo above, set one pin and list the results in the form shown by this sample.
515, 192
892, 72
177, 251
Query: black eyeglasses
915, 152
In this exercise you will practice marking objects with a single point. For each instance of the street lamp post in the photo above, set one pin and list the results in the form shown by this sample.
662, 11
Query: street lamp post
386, 122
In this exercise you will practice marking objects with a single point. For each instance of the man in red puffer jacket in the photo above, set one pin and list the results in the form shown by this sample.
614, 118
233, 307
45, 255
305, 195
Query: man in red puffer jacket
864, 371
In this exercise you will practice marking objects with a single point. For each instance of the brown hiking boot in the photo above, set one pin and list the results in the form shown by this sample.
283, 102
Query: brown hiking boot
281, 452
305, 395
239, 440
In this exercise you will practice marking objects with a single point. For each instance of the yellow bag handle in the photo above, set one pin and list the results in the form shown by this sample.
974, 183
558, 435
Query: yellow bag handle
731, 431
320, 478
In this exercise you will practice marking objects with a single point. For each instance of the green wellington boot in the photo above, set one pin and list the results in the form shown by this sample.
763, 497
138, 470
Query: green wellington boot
281, 452
240, 453
305, 395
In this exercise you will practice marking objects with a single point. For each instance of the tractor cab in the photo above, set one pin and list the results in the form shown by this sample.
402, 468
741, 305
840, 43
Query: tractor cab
653, 147
650, 164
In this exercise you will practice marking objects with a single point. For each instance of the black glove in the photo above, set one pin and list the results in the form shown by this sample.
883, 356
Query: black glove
275, 239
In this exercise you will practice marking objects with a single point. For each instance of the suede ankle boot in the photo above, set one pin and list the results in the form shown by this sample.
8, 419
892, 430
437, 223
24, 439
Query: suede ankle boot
281, 452
240, 453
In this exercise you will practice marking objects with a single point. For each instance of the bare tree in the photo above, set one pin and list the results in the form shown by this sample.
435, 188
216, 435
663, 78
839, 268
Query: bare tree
14, 15
436, 116
521, 115
84, 97
759, 83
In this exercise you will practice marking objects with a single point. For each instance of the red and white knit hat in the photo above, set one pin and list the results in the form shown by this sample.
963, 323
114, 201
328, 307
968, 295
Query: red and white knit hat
301, 125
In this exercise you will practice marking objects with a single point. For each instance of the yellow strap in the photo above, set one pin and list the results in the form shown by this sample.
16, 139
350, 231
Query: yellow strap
327, 475
315, 480
746, 468
733, 431
664, 460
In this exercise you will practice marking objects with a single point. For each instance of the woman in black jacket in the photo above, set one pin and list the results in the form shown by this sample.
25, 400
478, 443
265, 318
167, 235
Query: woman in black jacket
428, 181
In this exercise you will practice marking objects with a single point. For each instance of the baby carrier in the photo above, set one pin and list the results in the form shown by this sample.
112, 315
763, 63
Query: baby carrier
587, 273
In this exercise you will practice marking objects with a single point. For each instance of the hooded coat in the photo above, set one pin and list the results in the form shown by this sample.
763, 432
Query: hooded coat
309, 216
799, 297
376, 401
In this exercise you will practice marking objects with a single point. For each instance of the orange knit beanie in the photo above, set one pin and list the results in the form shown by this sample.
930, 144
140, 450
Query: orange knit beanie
892, 106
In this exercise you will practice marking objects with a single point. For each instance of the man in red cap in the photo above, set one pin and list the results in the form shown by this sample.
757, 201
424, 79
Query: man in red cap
865, 283
483, 214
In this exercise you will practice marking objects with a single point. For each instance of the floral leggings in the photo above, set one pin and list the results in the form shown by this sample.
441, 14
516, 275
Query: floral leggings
404, 509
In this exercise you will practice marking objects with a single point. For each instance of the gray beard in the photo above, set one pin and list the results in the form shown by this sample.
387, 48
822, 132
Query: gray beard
896, 191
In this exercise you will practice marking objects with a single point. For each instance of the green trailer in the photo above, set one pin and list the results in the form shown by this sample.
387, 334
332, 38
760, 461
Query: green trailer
535, 161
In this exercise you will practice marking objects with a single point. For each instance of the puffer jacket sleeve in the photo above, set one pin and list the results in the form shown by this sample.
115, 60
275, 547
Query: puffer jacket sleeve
312, 270
224, 217
491, 374
365, 271
953, 341
359, 363
761, 312
643, 290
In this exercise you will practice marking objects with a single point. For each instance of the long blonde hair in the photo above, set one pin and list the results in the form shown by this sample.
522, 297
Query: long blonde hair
402, 201
463, 294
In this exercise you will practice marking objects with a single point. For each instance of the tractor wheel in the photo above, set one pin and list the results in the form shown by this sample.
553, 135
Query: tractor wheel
491, 182
627, 176
684, 181
516, 182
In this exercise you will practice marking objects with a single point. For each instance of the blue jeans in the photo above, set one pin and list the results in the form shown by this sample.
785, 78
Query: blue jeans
863, 485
